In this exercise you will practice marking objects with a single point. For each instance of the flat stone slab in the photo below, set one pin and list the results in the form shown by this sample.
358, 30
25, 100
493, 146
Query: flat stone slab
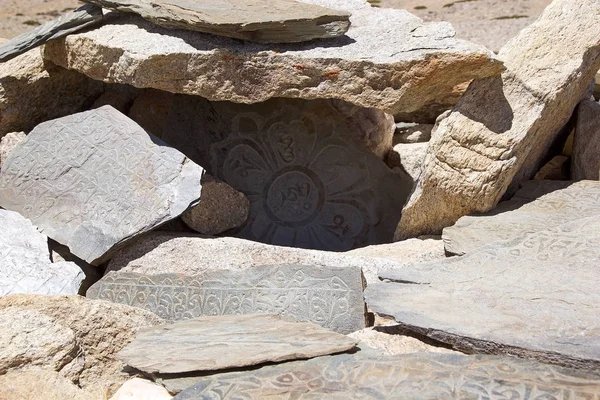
229, 341
534, 296
414, 376
94, 180
25, 265
281, 21
539, 205
330, 297
380, 62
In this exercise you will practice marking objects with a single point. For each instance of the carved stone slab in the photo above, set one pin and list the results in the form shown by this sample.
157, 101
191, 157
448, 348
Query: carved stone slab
229, 341
330, 297
280, 21
534, 296
310, 183
539, 205
25, 265
414, 376
94, 180
62, 26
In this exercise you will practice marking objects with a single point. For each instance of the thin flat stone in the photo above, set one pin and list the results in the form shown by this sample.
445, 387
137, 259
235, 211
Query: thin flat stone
533, 296
66, 24
329, 297
270, 21
539, 205
229, 341
414, 376
94, 180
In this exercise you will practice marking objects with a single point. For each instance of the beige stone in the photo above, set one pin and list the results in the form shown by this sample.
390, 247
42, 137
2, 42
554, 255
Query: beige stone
141, 389
557, 169
390, 343
586, 142
151, 110
412, 132
43, 384
409, 157
8, 143
504, 126
406, 252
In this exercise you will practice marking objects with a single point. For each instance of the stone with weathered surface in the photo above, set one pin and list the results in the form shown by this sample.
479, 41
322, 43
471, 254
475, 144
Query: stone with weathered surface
586, 142
94, 180
150, 110
373, 66
8, 142
141, 389
409, 157
229, 341
43, 384
412, 133
539, 205
391, 341
557, 169
332, 297
533, 296
69, 23
504, 126
25, 265
302, 164
414, 376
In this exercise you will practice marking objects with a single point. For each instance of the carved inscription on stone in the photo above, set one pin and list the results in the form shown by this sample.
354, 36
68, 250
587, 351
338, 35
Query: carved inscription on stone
330, 297
96, 179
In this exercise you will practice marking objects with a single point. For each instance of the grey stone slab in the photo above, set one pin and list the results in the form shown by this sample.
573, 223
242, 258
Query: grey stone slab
534, 296
586, 142
25, 265
330, 297
94, 180
537, 206
229, 341
71, 22
280, 21
413, 377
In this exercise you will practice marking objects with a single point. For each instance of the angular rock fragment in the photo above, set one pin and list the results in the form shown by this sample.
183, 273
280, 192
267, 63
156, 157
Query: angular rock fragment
373, 66
586, 142
388, 342
409, 157
556, 169
332, 297
503, 127
412, 133
141, 389
8, 143
94, 180
534, 296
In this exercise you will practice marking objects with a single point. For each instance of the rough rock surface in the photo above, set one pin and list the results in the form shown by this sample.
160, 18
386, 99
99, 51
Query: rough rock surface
93, 180
391, 344
412, 133
557, 169
406, 252
150, 110
409, 157
70, 334
533, 296
371, 66
141, 389
33, 384
586, 142
504, 125
8, 143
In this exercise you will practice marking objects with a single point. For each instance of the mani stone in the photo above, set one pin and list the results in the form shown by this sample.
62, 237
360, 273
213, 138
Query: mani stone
586, 142
413, 376
533, 296
94, 180
504, 126
25, 265
330, 297
310, 182
280, 21
539, 205
389, 60
229, 341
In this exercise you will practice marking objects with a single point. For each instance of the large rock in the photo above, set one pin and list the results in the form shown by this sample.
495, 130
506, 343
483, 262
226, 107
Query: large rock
40, 383
75, 336
586, 142
7, 144
534, 296
332, 297
535, 207
94, 180
25, 265
284, 21
141, 389
504, 126
372, 66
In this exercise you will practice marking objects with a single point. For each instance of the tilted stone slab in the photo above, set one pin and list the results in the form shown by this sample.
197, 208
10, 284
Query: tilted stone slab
71, 22
281, 21
229, 341
533, 296
94, 180
330, 297
559, 202
414, 376
25, 265
373, 66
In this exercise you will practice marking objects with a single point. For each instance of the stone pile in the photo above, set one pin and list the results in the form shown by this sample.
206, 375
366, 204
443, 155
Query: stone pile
224, 182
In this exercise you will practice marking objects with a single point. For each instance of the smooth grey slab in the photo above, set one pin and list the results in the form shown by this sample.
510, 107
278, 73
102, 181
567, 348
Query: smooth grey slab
537, 206
535, 296
330, 297
418, 376
62, 26
262, 21
94, 180
229, 341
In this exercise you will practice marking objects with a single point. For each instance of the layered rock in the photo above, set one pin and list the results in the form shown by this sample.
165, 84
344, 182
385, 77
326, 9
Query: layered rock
586, 142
